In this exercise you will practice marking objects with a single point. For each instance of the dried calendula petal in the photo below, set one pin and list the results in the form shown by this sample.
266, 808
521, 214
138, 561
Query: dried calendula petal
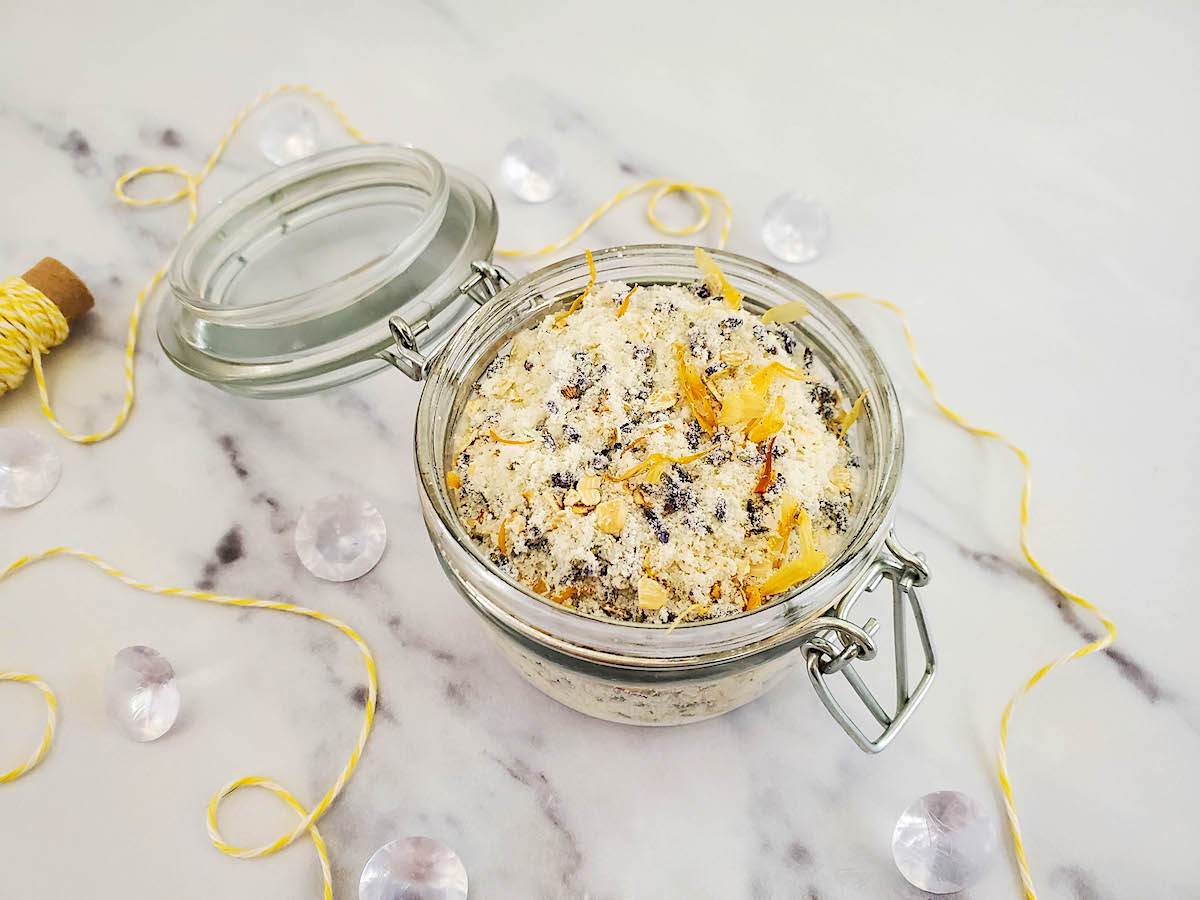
716, 280
839, 479
786, 312
540, 586
714, 592
789, 509
625, 303
734, 357
850, 417
562, 317
792, 573
660, 400
768, 475
695, 610
501, 540
453, 480
761, 379
610, 516
768, 424
695, 392
651, 594
495, 437
753, 597
742, 407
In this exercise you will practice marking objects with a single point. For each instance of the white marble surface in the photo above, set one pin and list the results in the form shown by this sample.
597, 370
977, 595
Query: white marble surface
1023, 180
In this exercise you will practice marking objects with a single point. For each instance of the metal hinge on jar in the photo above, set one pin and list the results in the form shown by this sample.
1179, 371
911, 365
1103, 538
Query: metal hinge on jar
835, 643
421, 333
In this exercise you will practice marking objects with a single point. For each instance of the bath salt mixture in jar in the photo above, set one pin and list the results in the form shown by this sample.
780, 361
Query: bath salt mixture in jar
657, 453
664, 477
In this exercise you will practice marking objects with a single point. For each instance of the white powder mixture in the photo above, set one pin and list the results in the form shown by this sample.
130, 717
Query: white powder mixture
680, 390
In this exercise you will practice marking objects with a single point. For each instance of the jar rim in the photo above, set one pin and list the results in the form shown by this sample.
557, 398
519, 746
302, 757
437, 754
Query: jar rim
509, 603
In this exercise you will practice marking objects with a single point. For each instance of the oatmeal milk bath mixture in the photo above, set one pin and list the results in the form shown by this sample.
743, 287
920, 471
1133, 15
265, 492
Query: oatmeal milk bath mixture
656, 453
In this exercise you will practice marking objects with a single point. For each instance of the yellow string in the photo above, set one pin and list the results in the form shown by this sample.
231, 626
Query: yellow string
190, 191
663, 187
307, 818
30, 324
1110, 629
697, 192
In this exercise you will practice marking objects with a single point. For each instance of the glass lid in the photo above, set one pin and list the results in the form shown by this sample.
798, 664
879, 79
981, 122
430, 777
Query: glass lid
288, 286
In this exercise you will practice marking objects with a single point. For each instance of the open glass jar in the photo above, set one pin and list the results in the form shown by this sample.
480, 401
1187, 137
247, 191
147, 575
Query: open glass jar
388, 254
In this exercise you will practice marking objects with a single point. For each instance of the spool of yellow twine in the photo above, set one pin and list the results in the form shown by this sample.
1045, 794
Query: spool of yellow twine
28, 330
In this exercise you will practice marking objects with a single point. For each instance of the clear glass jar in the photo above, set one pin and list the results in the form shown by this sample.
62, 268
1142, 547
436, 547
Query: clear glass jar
338, 265
630, 672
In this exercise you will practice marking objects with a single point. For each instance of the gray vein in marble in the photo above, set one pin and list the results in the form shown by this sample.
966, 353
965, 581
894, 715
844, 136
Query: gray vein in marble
1132, 671
550, 804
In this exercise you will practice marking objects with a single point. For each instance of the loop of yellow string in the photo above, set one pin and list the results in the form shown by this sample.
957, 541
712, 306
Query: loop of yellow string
1110, 629
665, 186
307, 818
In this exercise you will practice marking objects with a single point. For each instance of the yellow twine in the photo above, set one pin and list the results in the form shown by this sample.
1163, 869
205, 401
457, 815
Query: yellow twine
1110, 629
30, 324
308, 818
17, 343
34, 339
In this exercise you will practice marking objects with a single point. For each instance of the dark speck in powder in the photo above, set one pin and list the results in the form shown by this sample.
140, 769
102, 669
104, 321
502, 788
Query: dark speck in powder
528, 365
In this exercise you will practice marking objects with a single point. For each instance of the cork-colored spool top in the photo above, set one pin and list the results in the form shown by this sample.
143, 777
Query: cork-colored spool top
62, 286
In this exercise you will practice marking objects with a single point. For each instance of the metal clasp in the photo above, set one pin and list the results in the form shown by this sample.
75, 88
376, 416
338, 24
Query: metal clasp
836, 642
417, 326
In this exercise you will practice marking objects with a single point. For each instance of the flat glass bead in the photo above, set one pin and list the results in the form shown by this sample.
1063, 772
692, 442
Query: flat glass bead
142, 697
340, 537
29, 468
532, 170
414, 868
289, 131
944, 842
796, 228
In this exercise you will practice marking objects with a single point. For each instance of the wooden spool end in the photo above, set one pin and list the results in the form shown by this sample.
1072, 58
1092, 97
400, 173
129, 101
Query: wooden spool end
62, 286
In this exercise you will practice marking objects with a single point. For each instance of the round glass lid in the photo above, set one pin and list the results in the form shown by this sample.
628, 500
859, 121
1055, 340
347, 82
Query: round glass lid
288, 286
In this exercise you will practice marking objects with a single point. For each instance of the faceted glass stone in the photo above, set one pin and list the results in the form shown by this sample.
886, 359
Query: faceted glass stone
142, 695
944, 842
531, 170
414, 868
796, 228
289, 131
340, 537
29, 468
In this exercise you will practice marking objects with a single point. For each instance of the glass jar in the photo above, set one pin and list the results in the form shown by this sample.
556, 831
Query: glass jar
430, 304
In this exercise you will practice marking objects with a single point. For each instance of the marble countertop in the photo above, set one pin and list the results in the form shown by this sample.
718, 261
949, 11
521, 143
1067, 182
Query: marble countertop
1022, 181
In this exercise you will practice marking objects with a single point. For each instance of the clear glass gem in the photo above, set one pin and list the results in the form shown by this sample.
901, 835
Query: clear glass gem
340, 537
29, 468
531, 170
944, 842
142, 695
796, 228
414, 868
289, 131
